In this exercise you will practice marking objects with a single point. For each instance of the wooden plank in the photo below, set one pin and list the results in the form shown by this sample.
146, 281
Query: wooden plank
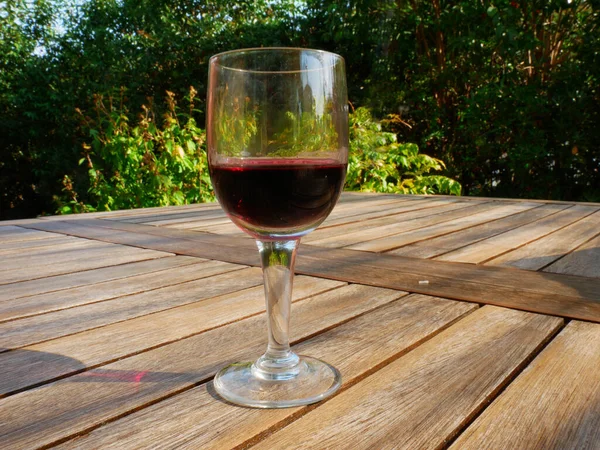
11, 233
198, 224
426, 397
357, 348
159, 216
98, 292
407, 218
120, 255
497, 245
470, 216
58, 239
444, 244
404, 207
548, 249
230, 249
76, 404
561, 295
584, 261
546, 293
553, 404
43, 362
82, 249
72, 280
188, 287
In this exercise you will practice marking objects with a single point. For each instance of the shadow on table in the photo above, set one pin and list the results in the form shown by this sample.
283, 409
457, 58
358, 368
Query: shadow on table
24, 369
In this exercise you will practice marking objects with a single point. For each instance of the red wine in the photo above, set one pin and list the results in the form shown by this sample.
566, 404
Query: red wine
282, 196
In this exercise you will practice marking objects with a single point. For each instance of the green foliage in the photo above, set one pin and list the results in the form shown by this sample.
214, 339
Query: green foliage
140, 165
504, 91
377, 163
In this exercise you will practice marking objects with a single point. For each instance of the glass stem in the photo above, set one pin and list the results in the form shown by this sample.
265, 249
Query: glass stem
279, 362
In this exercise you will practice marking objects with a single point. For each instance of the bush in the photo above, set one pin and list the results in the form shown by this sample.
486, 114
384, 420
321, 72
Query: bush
145, 165
377, 163
141, 165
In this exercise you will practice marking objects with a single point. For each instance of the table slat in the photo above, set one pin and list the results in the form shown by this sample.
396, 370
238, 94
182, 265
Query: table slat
97, 312
584, 261
497, 245
553, 404
120, 255
72, 280
470, 216
424, 398
548, 249
408, 219
444, 244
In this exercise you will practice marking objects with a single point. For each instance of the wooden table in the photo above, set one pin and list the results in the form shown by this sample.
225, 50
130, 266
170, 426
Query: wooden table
455, 322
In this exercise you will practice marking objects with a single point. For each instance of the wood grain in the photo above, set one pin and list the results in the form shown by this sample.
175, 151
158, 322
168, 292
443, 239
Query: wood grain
547, 293
424, 398
79, 296
497, 245
553, 404
474, 215
188, 286
444, 244
67, 407
72, 280
407, 219
584, 261
11, 233
387, 210
58, 239
195, 419
23, 368
548, 249
230, 249
119, 255
82, 249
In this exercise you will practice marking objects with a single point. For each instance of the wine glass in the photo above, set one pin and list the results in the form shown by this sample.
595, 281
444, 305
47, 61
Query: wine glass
277, 131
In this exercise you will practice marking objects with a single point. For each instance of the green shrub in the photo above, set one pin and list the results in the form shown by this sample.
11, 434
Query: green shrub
141, 165
377, 163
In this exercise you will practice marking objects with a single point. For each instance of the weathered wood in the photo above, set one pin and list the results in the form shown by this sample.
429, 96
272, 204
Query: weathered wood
120, 255
82, 249
230, 249
118, 340
444, 244
11, 233
67, 407
387, 210
73, 280
424, 398
553, 404
408, 218
7, 248
560, 295
188, 287
474, 215
98, 292
584, 261
548, 249
359, 347
502, 243
554, 294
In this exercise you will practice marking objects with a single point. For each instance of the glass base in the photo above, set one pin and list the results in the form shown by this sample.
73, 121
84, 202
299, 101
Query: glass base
244, 384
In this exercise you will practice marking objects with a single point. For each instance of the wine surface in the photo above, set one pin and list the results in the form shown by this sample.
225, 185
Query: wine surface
278, 195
